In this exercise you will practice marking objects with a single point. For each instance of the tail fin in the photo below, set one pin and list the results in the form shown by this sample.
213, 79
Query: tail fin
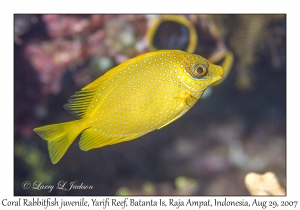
60, 137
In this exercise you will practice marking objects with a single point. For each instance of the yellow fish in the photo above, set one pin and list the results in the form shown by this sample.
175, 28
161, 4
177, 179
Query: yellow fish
140, 95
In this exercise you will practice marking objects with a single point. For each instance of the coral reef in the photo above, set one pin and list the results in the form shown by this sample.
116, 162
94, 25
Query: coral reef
75, 39
52, 58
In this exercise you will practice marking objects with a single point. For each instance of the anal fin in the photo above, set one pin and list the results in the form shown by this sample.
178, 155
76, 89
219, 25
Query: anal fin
91, 139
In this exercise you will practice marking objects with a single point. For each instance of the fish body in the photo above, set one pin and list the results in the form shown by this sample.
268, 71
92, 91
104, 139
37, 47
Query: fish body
140, 95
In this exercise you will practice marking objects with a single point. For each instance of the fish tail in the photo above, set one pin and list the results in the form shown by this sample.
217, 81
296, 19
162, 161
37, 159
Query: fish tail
60, 137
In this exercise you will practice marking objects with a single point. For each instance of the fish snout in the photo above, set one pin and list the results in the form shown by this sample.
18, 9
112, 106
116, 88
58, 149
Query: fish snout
217, 73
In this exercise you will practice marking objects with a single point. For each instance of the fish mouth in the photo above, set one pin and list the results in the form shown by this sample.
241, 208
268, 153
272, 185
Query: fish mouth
218, 73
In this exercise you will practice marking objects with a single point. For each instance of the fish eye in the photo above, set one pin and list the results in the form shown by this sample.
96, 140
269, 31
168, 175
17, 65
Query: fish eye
199, 70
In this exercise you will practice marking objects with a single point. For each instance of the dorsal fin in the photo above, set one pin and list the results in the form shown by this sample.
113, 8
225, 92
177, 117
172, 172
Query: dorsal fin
79, 102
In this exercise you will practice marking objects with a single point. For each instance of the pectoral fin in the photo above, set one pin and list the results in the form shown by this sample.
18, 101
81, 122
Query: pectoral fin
189, 99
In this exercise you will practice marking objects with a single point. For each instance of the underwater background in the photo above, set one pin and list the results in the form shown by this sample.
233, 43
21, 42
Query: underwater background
238, 127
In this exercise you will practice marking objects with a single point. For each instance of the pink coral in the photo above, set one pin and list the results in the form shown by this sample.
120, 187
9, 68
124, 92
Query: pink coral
64, 25
51, 59
74, 38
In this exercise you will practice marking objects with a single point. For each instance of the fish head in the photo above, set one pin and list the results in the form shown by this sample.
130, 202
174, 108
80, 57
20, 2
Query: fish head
198, 73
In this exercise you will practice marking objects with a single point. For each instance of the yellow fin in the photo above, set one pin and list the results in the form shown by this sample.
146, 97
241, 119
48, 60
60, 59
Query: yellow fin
189, 99
79, 102
59, 136
91, 139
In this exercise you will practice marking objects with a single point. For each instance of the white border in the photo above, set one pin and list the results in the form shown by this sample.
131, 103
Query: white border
8, 8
